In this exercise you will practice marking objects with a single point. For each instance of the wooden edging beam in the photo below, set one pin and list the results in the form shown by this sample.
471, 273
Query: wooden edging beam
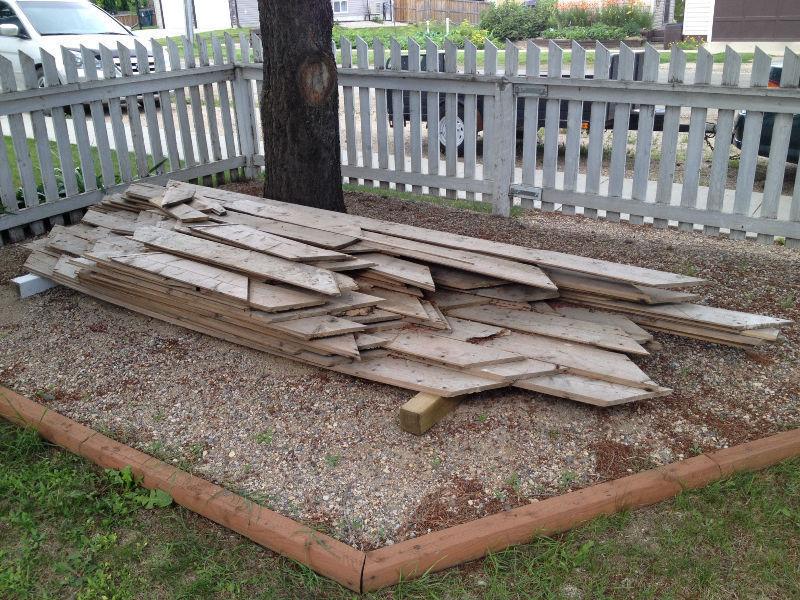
364, 572
320, 552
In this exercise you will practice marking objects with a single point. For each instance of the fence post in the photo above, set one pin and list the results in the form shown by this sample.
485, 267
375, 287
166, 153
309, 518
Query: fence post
501, 160
244, 108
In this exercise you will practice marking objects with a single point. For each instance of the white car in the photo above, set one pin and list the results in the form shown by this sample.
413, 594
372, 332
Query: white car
28, 25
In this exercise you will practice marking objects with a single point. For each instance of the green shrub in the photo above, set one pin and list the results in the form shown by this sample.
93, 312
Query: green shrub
513, 21
590, 32
628, 16
576, 15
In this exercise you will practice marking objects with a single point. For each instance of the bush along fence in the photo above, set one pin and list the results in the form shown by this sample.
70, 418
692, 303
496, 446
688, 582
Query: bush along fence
604, 136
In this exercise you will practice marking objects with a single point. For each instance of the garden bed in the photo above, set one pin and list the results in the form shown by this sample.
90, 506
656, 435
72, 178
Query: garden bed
326, 448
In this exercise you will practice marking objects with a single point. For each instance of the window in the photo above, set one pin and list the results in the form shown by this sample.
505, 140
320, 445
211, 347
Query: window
7, 15
70, 18
339, 6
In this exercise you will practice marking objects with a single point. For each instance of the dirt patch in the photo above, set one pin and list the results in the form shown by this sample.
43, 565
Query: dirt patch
326, 449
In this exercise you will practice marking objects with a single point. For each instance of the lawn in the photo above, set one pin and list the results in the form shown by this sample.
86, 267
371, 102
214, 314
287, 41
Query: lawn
68, 529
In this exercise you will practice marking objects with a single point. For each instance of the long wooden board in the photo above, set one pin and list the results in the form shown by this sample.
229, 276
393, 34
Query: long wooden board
448, 351
246, 261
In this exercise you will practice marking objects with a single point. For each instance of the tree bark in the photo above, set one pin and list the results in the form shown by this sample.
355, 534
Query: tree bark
300, 104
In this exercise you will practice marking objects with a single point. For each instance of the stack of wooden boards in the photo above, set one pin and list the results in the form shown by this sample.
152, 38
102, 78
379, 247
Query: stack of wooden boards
416, 308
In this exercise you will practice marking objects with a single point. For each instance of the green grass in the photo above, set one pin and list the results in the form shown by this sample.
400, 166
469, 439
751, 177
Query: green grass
70, 530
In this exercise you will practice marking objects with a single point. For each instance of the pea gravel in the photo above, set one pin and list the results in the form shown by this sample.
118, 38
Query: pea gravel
326, 448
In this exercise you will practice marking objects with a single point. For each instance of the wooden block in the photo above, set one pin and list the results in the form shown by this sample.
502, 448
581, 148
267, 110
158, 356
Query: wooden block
423, 411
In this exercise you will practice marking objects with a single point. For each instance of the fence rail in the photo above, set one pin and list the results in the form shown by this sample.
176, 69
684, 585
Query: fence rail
609, 137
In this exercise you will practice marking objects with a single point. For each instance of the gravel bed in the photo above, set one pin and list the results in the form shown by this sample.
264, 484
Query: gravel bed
327, 449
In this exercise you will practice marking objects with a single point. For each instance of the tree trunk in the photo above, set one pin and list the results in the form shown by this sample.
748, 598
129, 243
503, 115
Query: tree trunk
300, 104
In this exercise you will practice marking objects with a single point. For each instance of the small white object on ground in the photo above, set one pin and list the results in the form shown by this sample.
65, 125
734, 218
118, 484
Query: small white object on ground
30, 285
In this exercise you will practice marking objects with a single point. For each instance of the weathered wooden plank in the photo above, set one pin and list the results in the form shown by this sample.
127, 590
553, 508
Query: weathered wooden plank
417, 376
551, 124
381, 111
165, 104
597, 118
362, 57
247, 261
434, 151
470, 116
134, 114
323, 326
8, 83
589, 391
447, 351
530, 125
398, 118
400, 270
619, 146
563, 328
574, 115
644, 134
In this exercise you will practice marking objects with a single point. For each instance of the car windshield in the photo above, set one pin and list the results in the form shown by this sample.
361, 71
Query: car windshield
69, 18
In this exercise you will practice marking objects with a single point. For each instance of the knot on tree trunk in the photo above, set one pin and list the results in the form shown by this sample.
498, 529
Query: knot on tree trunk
316, 78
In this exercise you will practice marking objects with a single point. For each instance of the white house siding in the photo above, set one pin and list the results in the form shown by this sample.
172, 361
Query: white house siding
247, 11
211, 14
698, 18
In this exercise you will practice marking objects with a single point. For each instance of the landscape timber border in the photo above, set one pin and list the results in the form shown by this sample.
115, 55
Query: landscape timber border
368, 571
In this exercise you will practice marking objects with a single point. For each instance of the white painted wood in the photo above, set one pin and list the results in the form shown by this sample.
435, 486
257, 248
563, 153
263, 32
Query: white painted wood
79, 124
619, 145
98, 120
697, 128
8, 193
451, 117
210, 103
67, 163
669, 138
644, 134
381, 113
362, 56
150, 110
115, 115
134, 113
718, 176
180, 106
242, 107
415, 114
551, 124
530, 125
247, 92
432, 112
201, 142
349, 107
779, 147
46, 169
597, 118
398, 119
470, 116
224, 105
574, 122
30, 285
165, 104
8, 83
258, 57
750, 142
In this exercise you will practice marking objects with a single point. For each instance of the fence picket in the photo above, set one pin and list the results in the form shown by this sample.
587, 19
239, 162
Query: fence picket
415, 114
597, 127
79, 124
779, 146
180, 106
197, 108
432, 112
551, 125
381, 112
134, 113
258, 57
67, 163
451, 117
150, 112
530, 124
46, 169
225, 106
619, 145
349, 109
115, 115
98, 120
669, 138
718, 177
644, 134
794, 214
247, 93
572, 151
398, 119
210, 102
697, 129
470, 116
165, 103
362, 56
8, 194
748, 160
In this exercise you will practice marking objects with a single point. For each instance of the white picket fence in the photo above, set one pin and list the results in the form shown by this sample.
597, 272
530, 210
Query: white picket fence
193, 115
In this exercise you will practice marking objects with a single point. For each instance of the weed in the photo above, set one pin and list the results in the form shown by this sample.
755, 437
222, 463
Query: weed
265, 437
332, 460
482, 417
788, 301
566, 479
436, 461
